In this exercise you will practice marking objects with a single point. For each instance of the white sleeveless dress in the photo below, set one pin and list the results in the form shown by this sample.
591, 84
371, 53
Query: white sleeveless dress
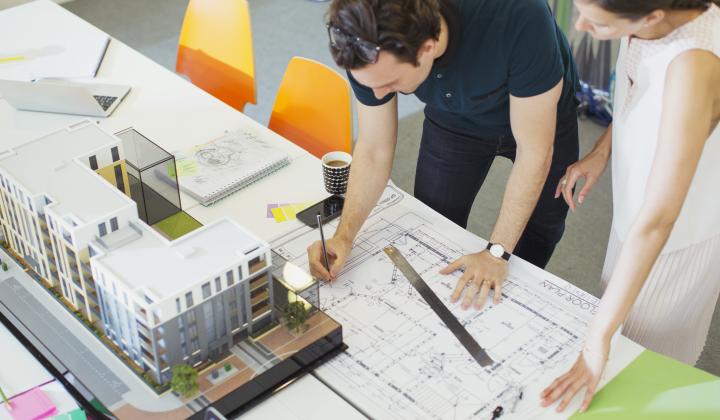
673, 312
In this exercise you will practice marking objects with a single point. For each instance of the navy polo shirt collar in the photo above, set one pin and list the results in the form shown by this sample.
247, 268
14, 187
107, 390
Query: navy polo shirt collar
451, 15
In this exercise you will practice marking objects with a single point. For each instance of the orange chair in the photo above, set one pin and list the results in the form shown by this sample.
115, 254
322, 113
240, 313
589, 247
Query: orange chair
312, 108
215, 50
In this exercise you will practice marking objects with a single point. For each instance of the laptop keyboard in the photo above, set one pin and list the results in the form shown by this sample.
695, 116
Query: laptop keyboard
105, 101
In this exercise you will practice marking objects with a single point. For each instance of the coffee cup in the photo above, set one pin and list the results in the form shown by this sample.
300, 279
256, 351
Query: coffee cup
336, 171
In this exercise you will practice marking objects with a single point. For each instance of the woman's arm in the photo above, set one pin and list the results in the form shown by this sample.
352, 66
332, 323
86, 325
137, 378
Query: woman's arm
591, 167
684, 128
692, 81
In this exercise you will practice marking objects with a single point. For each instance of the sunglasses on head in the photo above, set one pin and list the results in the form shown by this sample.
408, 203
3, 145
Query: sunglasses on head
339, 40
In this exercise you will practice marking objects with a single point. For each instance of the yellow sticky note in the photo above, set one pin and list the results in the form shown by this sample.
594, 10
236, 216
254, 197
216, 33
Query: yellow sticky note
278, 214
289, 212
297, 208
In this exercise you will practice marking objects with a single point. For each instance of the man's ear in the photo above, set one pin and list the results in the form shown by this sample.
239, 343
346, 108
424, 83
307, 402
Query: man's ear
427, 47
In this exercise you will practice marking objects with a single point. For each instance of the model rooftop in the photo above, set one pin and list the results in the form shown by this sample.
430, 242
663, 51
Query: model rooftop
165, 268
47, 166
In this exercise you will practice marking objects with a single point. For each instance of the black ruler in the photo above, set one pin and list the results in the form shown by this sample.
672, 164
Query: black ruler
467, 340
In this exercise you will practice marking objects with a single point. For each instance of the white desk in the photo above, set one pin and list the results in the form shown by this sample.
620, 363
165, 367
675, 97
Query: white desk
175, 114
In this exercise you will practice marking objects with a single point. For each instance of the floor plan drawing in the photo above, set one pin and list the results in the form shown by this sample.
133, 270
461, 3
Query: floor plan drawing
402, 362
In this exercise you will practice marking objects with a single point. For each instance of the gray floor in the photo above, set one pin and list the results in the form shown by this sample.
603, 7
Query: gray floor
284, 28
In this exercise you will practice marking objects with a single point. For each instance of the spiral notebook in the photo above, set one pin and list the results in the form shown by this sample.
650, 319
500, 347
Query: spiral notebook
212, 171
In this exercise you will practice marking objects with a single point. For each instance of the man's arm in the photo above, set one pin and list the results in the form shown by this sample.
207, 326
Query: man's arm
369, 174
533, 121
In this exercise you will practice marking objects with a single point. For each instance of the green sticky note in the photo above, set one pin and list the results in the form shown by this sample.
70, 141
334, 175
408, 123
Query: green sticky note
657, 387
184, 168
77, 414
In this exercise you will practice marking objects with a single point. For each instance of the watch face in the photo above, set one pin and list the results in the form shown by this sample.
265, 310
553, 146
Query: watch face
497, 251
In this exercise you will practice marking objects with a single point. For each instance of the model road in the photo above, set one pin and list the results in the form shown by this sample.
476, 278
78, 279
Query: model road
62, 343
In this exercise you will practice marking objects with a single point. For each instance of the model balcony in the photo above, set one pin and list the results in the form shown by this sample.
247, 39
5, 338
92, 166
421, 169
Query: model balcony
143, 330
141, 314
257, 265
145, 343
260, 310
95, 310
258, 282
260, 297
92, 296
148, 356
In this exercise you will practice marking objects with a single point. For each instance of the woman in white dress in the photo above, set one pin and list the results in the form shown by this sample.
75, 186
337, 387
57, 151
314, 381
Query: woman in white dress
662, 267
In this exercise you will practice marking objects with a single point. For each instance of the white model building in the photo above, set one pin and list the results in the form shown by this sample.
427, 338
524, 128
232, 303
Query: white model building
65, 209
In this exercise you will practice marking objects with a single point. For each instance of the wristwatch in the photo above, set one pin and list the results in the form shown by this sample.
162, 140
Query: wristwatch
498, 251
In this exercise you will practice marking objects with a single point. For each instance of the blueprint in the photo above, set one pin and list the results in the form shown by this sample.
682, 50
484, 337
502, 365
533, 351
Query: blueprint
403, 363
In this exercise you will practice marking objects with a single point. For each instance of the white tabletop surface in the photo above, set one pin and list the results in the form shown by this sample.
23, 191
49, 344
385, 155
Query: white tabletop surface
175, 114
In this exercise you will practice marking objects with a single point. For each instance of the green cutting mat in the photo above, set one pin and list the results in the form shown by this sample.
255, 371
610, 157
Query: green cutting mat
659, 388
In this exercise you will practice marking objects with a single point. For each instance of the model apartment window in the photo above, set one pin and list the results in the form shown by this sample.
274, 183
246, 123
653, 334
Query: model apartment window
115, 154
188, 299
230, 279
113, 224
93, 163
177, 304
119, 178
102, 229
206, 290
218, 285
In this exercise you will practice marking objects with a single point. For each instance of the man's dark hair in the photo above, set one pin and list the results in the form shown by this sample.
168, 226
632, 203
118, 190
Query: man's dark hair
399, 27
635, 9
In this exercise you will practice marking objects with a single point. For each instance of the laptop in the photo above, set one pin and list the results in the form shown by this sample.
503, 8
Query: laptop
64, 97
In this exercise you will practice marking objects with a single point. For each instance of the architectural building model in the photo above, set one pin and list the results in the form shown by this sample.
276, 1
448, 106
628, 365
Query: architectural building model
66, 213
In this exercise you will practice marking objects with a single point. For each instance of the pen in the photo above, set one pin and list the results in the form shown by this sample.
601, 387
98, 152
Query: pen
324, 250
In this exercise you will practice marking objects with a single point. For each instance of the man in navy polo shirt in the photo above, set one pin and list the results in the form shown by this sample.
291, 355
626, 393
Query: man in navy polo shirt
498, 79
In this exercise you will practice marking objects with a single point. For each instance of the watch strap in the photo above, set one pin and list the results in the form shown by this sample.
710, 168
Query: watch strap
505, 256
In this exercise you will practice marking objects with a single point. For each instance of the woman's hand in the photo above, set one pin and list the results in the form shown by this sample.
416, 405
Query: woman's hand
591, 167
586, 372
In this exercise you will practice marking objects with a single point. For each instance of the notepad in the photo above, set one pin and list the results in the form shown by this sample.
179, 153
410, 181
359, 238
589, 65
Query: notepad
214, 170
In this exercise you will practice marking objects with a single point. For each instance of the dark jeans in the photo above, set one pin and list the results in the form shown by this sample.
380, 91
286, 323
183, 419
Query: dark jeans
452, 167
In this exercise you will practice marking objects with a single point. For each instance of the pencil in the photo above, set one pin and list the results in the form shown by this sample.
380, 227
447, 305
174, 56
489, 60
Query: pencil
7, 403
324, 250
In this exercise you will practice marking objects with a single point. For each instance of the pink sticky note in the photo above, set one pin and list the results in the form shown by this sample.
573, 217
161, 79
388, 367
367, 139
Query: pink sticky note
271, 206
269, 210
31, 405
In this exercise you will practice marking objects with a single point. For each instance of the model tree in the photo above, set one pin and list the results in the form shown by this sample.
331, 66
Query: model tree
184, 380
295, 315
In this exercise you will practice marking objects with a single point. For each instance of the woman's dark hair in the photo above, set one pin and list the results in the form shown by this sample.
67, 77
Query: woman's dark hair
397, 26
635, 9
